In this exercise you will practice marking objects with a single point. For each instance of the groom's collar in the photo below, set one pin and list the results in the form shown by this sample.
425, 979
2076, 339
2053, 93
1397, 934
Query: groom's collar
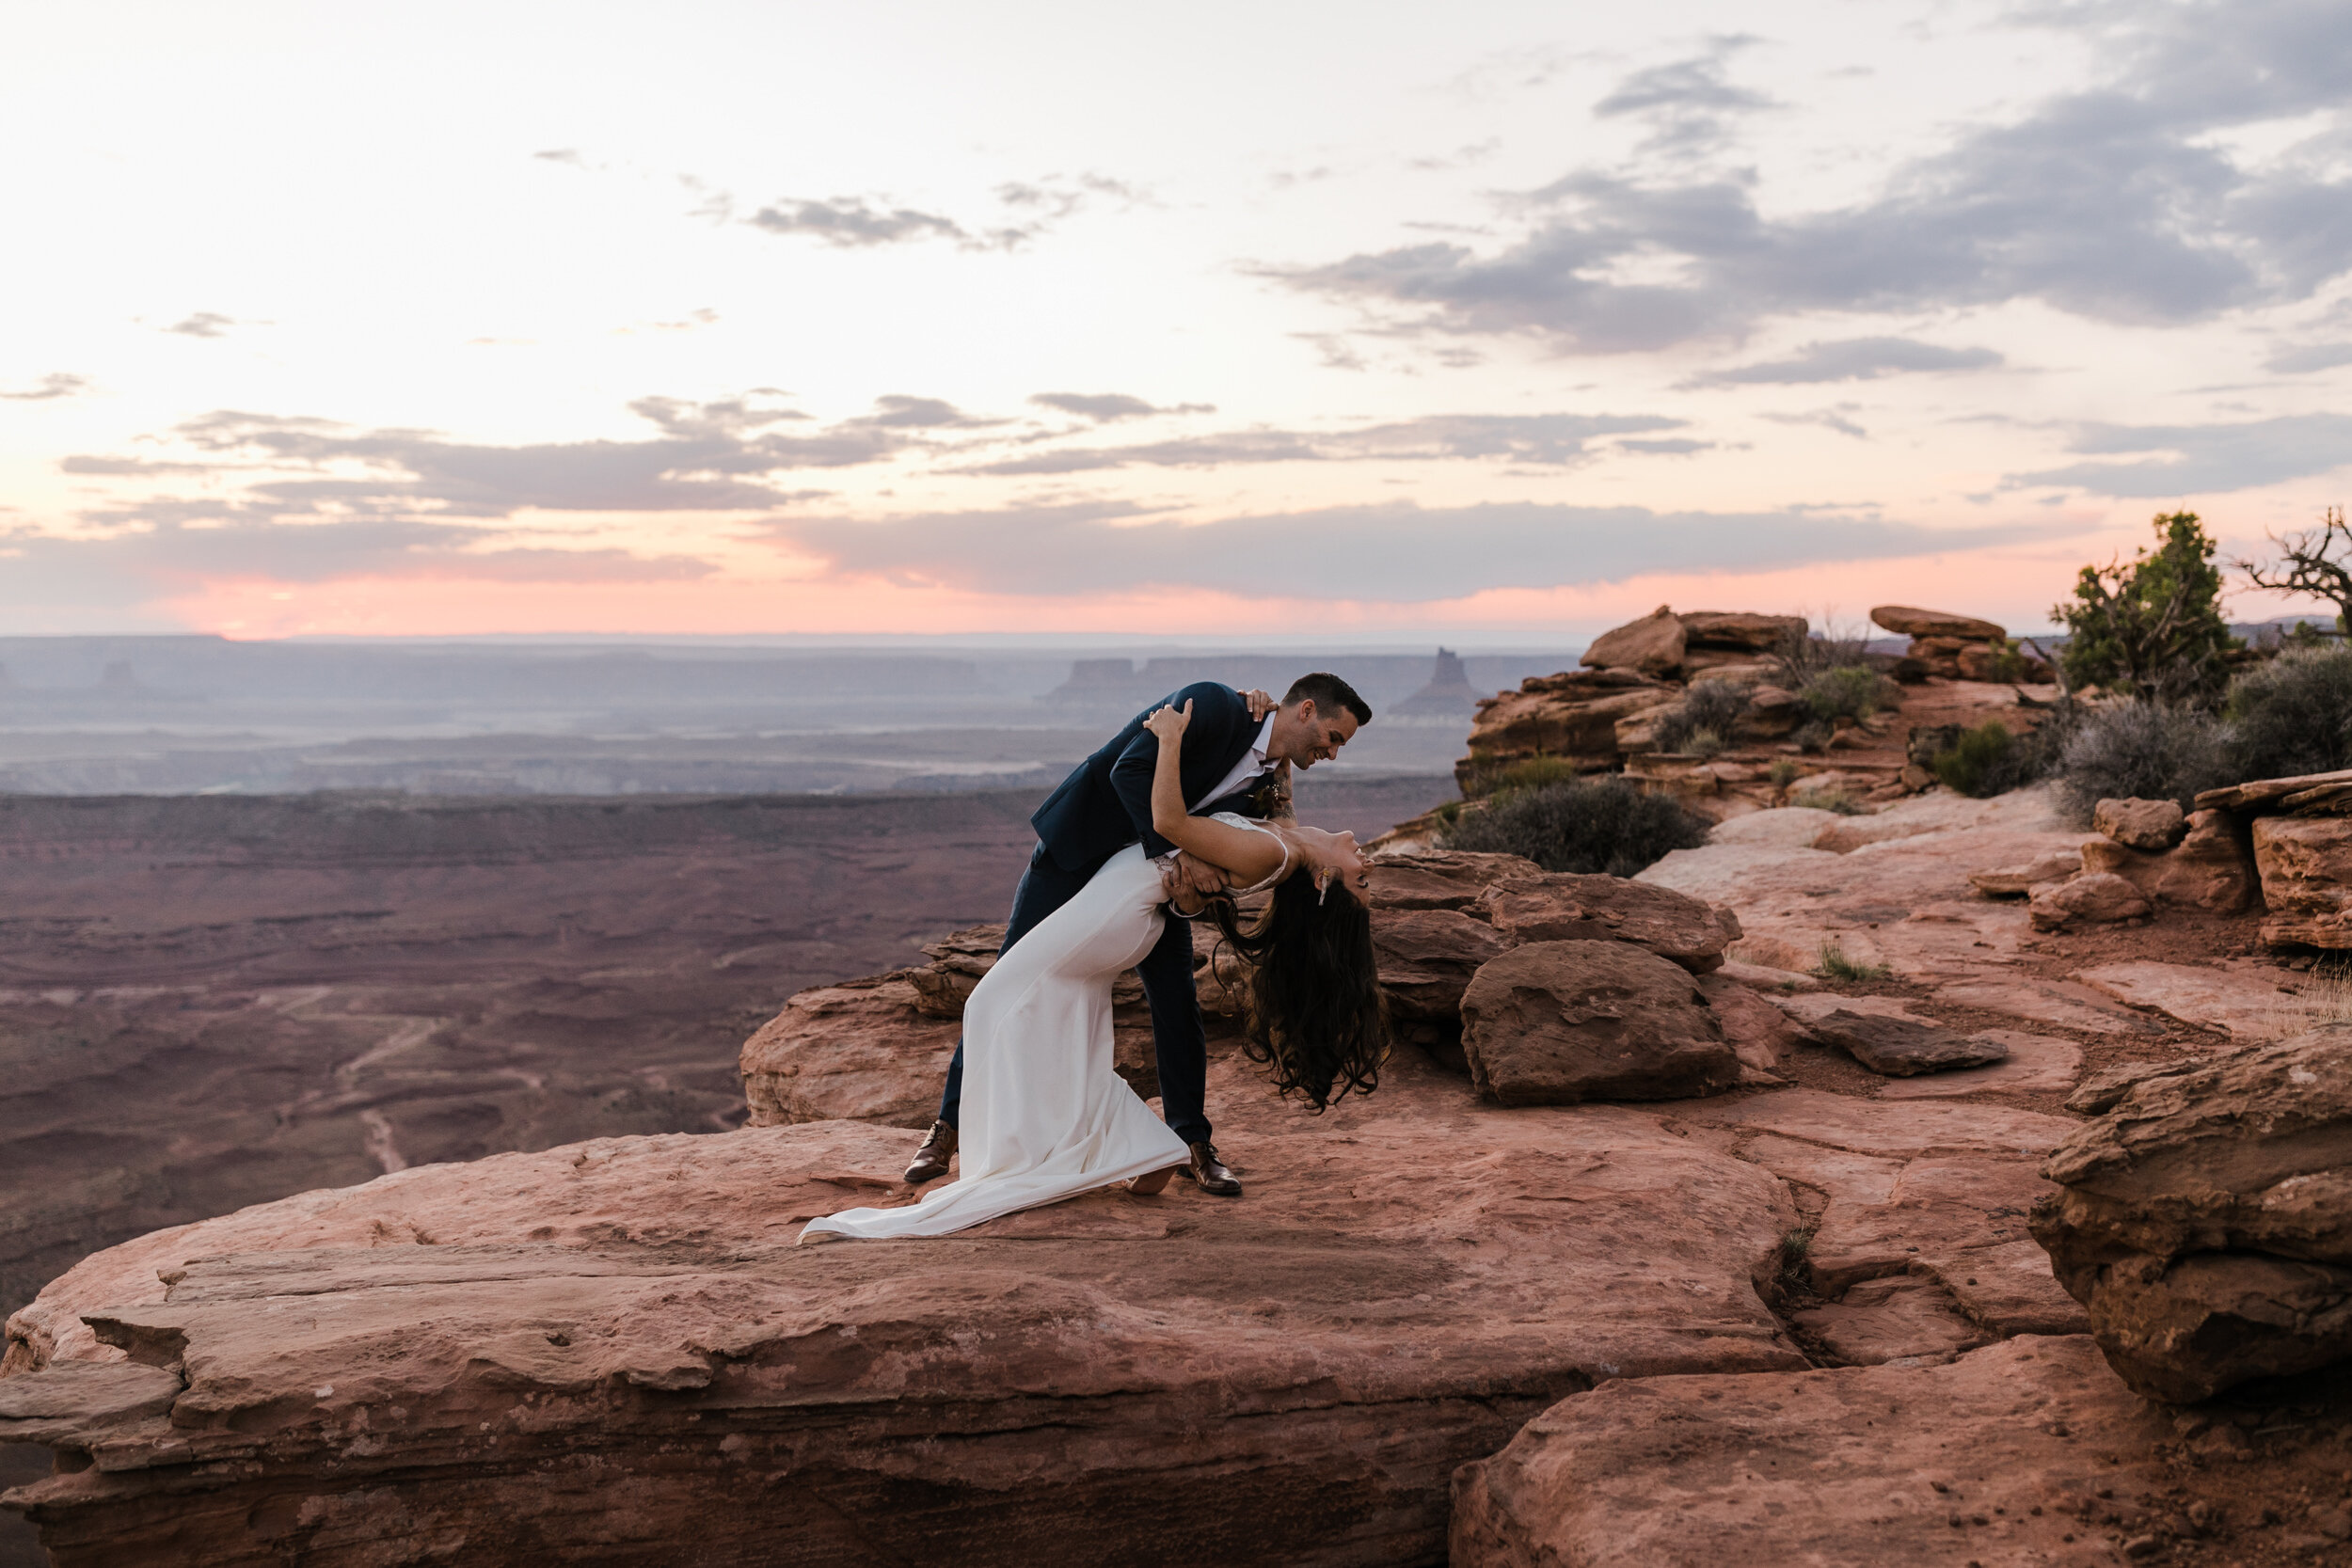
1265, 737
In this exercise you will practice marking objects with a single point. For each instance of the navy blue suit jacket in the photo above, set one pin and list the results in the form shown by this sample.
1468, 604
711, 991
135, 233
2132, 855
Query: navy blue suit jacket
1106, 803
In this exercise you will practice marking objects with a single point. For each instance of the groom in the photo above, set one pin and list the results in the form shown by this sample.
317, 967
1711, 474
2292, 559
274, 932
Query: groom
1237, 756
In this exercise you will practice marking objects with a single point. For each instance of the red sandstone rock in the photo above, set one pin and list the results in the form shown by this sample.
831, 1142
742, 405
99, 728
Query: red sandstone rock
1741, 629
1426, 958
862, 1051
1902, 1318
1567, 907
1572, 716
2091, 898
1999, 1457
601, 1351
1559, 1022
2306, 868
2205, 1221
2152, 825
1936, 623
1760, 1034
1442, 879
1653, 645
2015, 881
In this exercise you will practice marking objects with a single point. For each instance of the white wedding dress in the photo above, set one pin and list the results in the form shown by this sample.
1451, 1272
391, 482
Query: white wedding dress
1045, 1117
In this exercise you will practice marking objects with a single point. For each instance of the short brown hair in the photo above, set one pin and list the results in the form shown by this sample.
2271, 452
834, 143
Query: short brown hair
1327, 692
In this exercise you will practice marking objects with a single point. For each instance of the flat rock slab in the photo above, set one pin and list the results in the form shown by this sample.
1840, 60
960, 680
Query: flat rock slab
1898, 894
1889, 1038
2036, 1064
2068, 1004
2245, 1003
1990, 1458
601, 1349
1906, 1319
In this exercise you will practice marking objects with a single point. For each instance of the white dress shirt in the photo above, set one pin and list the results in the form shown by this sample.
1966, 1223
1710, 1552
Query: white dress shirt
1252, 764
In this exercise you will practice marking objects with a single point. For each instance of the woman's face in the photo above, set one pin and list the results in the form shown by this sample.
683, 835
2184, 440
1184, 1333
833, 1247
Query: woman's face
1335, 856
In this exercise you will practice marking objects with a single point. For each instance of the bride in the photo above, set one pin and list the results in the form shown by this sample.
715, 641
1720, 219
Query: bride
1044, 1116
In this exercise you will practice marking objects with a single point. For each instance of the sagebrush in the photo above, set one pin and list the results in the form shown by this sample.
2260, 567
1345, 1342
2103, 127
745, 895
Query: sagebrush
2144, 751
1580, 825
2290, 715
1712, 709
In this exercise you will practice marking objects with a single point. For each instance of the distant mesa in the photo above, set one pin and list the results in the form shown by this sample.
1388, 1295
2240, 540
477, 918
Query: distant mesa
1448, 695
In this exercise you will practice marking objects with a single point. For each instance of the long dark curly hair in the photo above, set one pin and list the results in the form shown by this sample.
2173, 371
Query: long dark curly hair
1315, 1012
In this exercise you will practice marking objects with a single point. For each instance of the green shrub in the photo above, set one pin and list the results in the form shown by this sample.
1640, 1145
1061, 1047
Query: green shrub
1783, 774
2143, 751
1526, 773
1712, 708
1813, 736
1834, 965
1581, 825
2292, 716
1848, 691
1985, 761
2152, 628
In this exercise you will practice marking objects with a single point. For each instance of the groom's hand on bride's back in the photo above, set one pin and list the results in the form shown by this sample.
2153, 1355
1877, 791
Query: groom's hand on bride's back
1191, 883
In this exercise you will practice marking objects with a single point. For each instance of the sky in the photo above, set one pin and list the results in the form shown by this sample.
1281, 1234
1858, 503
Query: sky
1370, 322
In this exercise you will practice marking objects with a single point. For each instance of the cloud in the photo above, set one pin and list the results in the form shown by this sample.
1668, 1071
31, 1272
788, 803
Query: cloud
710, 456
2118, 204
853, 223
56, 384
2201, 459
2304, 357
284, 552
1389, 554
1545, 438
1852, 360
1105, 407
1689, 103
899, 412
1830, 419
205, 324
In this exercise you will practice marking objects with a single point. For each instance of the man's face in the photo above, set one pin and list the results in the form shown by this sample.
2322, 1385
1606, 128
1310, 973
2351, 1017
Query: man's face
1304, 735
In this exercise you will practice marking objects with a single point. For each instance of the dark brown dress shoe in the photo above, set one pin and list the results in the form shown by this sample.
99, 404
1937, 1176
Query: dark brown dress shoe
930, 1161
1211, 1173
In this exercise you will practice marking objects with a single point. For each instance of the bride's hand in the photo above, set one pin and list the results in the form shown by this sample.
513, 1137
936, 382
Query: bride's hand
1167, 724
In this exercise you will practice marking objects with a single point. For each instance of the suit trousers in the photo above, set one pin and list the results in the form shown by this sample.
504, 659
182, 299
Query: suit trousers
1178, 1037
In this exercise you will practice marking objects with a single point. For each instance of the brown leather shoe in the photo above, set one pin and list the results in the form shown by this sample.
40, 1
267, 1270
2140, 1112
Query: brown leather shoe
1211, 1173
930, 1161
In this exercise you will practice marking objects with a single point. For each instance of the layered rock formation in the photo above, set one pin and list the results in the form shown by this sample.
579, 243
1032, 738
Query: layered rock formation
605, 1350
1996, 1458
2205, 1220
1957, 647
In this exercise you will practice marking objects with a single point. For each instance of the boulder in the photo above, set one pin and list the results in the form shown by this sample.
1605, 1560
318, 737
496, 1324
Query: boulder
1760, 1034
2305, 863
1565, 906
1653, 645
2151, 825
1559, 1022
2015, 881
1899, 1047
2091, 898
2288, 793
957, 962
1572, 717
1936, 623
2205, 1221
2003, 1456
1979, 661
862, 1051
1440, 878
1741, 629
611, 1351
1426, 958
2210, 869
